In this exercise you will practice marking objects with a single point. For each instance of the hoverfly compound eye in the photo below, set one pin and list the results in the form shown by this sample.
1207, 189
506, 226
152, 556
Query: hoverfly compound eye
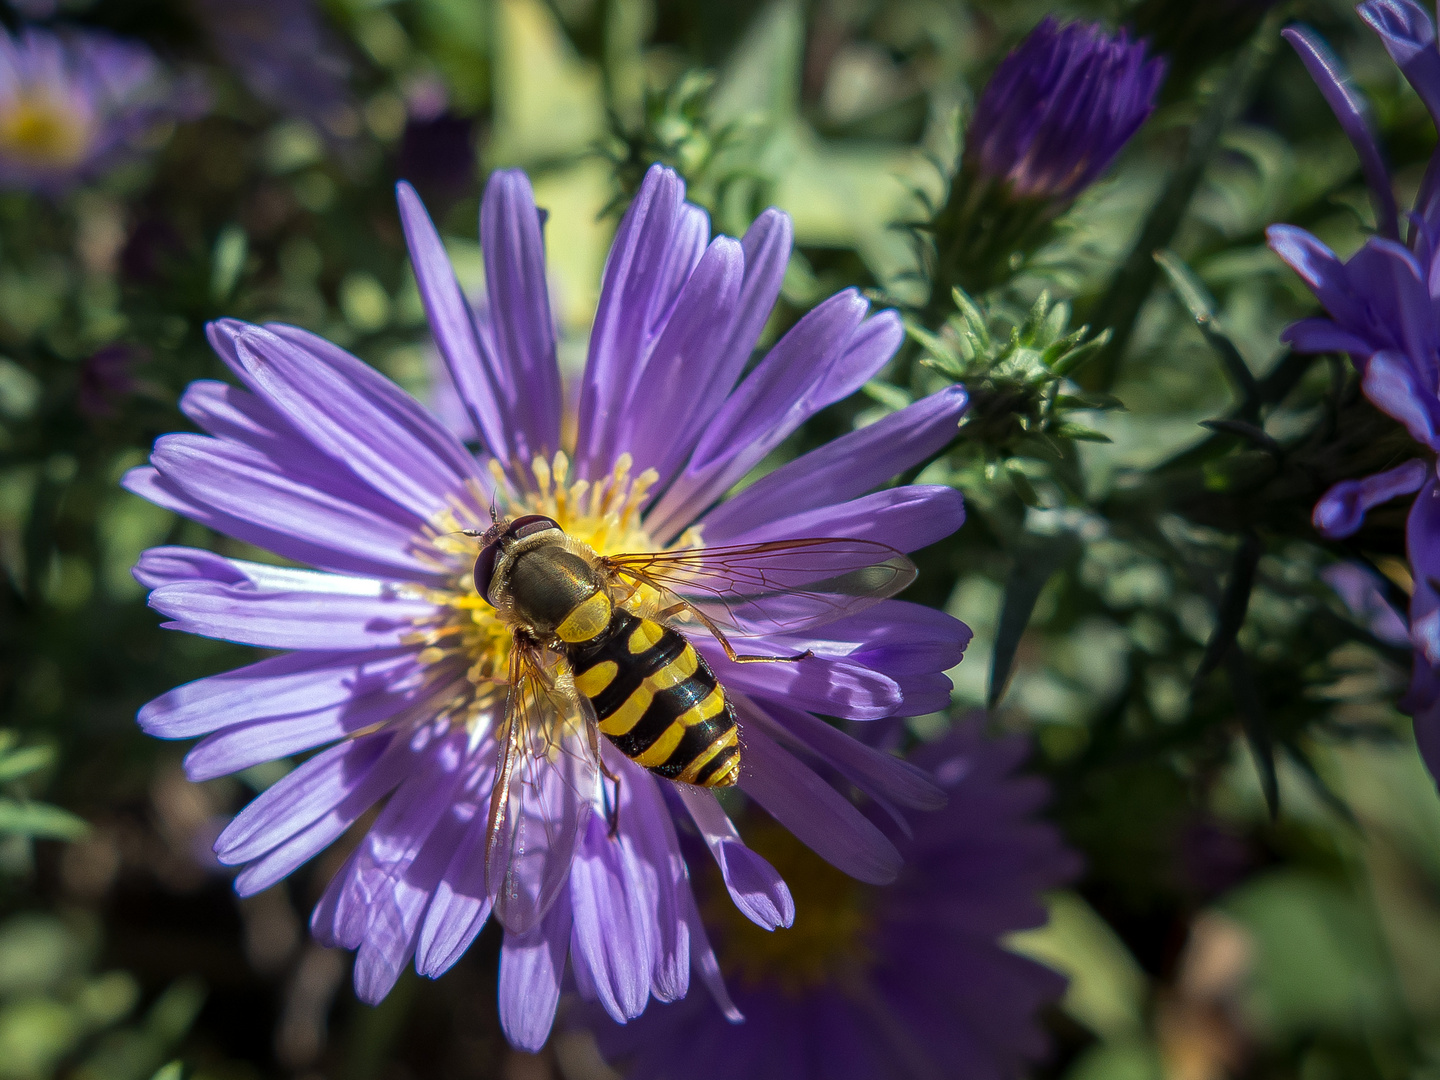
529, 525
485, 570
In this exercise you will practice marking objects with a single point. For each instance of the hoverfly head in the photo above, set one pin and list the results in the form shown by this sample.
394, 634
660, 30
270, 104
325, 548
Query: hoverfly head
500, 537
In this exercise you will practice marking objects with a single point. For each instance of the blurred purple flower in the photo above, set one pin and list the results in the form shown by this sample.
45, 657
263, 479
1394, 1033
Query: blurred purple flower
107, 377
1381, 308
900, 982
286, 56
1060, 108
73, 106
1360, 589
437, 156
394, 659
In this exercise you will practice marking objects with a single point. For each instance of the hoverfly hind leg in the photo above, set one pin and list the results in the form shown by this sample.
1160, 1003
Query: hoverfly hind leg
611, 796
612, 807
676, 609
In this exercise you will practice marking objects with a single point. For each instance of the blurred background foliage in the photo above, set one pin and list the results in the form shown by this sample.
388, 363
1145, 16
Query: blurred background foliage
1262, 895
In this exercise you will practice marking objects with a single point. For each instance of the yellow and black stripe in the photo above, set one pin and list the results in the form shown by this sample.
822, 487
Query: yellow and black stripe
658, 701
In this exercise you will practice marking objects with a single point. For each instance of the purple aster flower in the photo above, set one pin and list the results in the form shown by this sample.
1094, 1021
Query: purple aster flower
1360, 589
1059, 109
1381, 309
1051, 119
396, 665
72, 106
874, 983
286, 56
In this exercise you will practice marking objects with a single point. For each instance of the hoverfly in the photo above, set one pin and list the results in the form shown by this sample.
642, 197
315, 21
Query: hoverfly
597, 650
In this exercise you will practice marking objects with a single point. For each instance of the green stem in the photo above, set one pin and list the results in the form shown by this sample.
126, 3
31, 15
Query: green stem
1120, 307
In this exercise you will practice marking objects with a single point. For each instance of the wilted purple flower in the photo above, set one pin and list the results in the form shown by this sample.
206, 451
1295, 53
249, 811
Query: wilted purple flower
395, 660
1059, 109
72, 106
1382, 310
879, 983
286, 56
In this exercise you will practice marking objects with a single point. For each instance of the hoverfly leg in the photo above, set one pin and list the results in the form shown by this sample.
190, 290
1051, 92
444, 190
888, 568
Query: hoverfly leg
612, 809
612, 804
675, 609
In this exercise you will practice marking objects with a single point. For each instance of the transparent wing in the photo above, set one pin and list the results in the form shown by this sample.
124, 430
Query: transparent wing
777, 587
545, 784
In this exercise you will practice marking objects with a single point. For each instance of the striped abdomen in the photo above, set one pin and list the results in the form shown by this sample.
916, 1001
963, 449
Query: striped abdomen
658, 701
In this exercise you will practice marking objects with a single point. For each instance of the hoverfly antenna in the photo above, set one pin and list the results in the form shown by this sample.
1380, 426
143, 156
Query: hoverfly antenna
494, 514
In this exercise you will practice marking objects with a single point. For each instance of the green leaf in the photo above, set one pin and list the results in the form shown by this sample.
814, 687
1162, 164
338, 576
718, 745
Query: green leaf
1081, 433
1035, 563
1036, 318
173, 1071
1071, 361
40, 820
942, 355
25, 761
1021, 483
1201, 304
975, 321
228, 261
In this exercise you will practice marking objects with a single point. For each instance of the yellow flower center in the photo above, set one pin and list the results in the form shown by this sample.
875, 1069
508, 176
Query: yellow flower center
465, 630
41, 130
827, 944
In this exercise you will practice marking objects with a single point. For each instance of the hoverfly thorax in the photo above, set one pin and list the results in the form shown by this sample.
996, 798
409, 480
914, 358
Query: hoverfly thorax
541, 582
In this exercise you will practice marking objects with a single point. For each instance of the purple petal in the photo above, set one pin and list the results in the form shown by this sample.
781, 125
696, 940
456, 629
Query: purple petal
290, 619
649, 827
833, 686
520, 311
845, 467
781, 393
1320, 269
147, 482
356, 415
1409, 37
531, 965
818, 816
614, 939
905, 518
878, 774
241, 745
483, 385
706, 963
1422, 547
643, 260
757, 890
1322, 335
170, 564
1391, 384
766, 249
1360, 589
657, 426
462, 903
1350, 110
263, 505
1422, 701
293, 685
894, 637
358, 904
335, 781
870, 349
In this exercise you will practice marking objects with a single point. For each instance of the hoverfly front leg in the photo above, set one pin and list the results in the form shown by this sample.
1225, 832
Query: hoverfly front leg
675, 609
